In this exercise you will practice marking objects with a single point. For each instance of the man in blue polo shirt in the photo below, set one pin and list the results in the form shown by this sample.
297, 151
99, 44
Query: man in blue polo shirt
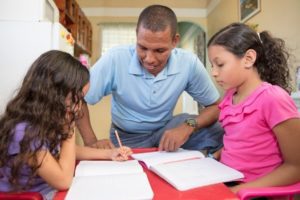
146, 81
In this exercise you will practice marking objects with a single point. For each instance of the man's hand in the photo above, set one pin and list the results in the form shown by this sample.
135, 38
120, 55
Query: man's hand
174, 138
102, 144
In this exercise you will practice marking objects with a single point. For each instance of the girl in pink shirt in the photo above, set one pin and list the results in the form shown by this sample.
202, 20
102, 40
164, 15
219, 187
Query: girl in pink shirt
260, 119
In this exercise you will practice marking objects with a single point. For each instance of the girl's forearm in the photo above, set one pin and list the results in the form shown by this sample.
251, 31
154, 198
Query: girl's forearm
285, 174
62, 169
88, 153
67, 156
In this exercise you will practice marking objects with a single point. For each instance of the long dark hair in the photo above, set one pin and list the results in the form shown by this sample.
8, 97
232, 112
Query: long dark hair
40, 103
272, 56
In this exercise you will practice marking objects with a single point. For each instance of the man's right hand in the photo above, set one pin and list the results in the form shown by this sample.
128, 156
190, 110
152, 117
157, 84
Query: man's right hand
102, 144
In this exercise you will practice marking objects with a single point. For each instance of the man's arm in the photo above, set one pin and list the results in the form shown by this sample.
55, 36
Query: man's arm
172, 139
85, 128
208, 115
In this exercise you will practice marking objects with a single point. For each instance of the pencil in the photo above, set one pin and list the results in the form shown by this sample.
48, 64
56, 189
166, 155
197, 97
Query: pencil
118, 138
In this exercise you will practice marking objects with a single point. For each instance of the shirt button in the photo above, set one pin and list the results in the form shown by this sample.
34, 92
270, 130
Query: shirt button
154, 91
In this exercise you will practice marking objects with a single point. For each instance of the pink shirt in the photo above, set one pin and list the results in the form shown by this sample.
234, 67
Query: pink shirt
250, 145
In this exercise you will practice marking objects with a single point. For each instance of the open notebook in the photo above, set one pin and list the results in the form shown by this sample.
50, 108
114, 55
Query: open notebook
109, 180
186, 169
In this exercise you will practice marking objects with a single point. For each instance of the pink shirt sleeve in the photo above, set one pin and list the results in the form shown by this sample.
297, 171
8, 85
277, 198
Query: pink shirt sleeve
278, 106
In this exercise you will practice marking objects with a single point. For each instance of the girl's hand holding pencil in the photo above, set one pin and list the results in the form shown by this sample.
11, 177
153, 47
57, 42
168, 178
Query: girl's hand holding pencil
123, 152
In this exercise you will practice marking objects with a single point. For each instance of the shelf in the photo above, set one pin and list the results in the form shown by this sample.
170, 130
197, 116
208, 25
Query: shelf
79, 50
75, 21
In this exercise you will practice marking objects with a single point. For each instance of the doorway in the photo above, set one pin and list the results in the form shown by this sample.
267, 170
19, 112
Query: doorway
193, 38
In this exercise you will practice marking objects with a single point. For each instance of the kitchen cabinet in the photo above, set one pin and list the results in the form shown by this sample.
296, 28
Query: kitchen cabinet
75, 21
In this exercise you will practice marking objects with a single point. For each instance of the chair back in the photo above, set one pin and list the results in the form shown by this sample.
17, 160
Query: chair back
282, 191
20, 196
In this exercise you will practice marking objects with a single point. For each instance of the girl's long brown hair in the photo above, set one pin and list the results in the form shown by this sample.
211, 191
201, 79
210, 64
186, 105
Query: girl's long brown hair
40, 103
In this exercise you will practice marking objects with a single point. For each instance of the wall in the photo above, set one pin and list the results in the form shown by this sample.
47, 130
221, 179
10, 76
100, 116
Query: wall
285, 17
144, 3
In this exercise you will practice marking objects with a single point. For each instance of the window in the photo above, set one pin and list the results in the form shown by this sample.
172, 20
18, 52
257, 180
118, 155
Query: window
116, 34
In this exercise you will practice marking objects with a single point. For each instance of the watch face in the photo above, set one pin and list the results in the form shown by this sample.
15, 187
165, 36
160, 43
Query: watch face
191, 122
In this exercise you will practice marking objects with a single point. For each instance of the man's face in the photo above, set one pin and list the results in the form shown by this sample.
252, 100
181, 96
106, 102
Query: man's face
154, 48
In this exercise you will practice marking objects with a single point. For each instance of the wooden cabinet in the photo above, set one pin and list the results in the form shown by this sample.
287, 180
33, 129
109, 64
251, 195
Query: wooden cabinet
75, 21
84, 33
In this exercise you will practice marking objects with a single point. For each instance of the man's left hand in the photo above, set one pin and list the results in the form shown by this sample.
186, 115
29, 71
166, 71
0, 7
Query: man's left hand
174, 138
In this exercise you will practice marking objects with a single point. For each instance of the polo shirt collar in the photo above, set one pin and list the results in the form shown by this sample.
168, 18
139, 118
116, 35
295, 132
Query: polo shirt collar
171, 68
135, 65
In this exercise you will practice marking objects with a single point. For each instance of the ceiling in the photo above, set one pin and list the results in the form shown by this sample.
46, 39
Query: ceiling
142, 3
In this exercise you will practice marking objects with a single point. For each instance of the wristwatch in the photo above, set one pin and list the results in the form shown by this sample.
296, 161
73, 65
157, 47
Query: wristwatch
192, 122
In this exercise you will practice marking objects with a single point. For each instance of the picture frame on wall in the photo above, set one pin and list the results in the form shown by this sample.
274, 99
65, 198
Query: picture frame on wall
248, 8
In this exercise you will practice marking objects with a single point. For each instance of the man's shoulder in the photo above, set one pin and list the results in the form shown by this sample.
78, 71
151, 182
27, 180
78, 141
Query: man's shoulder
185, 57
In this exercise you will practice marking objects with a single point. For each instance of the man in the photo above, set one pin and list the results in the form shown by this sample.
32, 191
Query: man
145, 82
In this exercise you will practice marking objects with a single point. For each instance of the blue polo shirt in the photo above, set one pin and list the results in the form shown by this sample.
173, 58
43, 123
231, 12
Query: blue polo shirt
141, 102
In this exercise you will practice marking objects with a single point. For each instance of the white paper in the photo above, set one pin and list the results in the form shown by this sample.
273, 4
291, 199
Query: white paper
158, 157
110, 187
92, 168
188, 174
109, 180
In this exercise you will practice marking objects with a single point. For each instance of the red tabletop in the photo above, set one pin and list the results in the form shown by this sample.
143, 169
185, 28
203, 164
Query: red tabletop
163, 190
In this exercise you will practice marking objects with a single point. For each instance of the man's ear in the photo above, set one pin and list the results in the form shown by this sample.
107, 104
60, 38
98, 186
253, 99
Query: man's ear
176, 40
249, 58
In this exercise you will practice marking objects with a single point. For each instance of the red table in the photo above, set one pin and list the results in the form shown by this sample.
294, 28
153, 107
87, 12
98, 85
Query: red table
164, 191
